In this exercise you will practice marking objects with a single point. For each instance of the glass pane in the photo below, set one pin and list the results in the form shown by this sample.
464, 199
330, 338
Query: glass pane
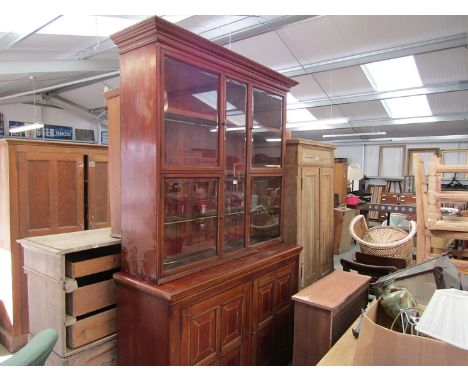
190, 115
235, 154
267, 123
265, 208
190, 224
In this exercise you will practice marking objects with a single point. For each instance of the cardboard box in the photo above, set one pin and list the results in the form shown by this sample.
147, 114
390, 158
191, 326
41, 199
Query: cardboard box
378, 345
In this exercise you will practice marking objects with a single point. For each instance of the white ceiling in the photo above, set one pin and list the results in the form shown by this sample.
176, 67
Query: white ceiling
322, 53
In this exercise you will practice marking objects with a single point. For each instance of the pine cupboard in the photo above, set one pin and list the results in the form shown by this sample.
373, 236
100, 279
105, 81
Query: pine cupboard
46, 188
309, 206
206, 277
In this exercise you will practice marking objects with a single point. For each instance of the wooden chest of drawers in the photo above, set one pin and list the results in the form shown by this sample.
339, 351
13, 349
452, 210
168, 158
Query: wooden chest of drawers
70, 289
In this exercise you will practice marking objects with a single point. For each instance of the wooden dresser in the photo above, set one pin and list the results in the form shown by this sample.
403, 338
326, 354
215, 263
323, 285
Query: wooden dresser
46, 188
309, 206
206, 276
70, 289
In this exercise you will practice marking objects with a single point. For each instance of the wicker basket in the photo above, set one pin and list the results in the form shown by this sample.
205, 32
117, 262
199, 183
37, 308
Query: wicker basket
263, 225
383, 241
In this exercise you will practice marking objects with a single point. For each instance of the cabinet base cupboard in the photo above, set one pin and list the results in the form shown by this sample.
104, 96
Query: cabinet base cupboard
239, 313
45, 188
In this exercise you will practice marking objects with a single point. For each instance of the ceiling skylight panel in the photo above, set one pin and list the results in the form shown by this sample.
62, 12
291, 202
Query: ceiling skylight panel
407, 107
398, 73
298, 114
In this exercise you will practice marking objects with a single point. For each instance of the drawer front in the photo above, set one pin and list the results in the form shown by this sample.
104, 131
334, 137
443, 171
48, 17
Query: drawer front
87, 267
91, 328
91, 297
315, 156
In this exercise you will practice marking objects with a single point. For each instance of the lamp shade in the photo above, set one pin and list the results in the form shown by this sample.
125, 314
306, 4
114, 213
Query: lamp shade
355, 172
445, 317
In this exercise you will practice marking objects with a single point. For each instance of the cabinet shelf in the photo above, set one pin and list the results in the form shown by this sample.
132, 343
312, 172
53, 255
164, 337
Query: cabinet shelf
181, 115
176, 220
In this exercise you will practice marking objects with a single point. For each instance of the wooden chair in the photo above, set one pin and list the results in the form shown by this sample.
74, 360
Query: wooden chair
373, 266
429, 196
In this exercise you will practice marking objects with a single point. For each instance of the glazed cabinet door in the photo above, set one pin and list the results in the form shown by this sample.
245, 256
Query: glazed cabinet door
272, 316
216, 330
98, 192
326, 221
50, 193
310, 226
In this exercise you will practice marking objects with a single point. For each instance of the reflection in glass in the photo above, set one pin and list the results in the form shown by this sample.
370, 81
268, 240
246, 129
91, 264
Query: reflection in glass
190, 223
235, 156
190, 115
265, 208
267, 125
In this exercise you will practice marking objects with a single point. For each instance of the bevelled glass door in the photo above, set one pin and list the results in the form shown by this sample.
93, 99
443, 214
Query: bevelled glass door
266, 129
235, 151
190, 115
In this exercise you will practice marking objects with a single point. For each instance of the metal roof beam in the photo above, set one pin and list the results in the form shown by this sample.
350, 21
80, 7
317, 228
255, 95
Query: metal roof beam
427, 46
377, 96
12, 38
388, 122
26, 67
86, 80
74, 107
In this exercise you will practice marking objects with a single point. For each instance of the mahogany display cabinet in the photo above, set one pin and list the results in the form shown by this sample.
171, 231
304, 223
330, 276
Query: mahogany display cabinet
206, 276
46, 188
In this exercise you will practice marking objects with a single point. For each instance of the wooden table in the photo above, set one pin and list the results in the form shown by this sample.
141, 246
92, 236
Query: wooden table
409, 209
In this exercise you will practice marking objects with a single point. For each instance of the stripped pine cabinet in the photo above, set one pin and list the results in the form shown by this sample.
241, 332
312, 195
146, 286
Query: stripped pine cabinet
47, 188
309, 211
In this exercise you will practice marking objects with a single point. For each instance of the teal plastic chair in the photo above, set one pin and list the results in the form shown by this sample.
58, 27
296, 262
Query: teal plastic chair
36, 352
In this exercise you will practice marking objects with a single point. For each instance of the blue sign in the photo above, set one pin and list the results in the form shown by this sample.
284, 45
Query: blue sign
55, 132
2, 127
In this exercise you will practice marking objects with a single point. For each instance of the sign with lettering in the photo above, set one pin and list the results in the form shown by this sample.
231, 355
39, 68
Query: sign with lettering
55, 132
15, 124
84, 135
104, 137
2, 127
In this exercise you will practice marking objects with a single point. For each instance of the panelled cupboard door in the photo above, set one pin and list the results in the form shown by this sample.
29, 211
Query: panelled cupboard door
50, 193
326, 221
98, 192
309, 271
216, 331
272, 317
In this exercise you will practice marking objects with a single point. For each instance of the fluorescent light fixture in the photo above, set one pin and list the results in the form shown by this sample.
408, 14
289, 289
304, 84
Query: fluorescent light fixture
319, 124
395, 74
30, 126
273, 139
353, 134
